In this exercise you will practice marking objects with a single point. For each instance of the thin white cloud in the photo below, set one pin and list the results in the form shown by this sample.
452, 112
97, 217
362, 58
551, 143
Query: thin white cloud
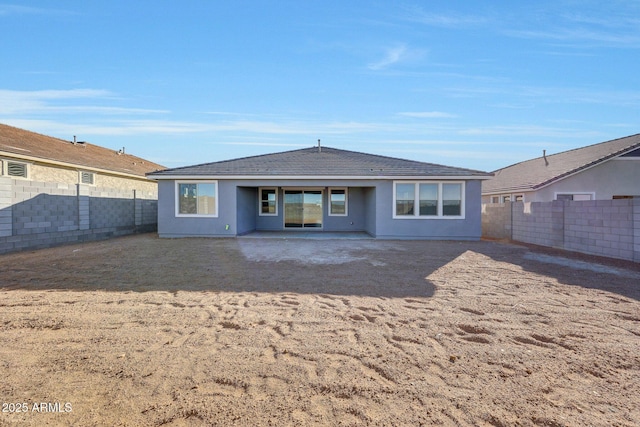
104, 110
457, 154
169, 127
25, 102
607, 26
512, 106
523, 96
428, 114
9, 95
580, 95
12, 9
265, 144
528, 130
396, 54
392, 56
419, 15
581, 35
44, 101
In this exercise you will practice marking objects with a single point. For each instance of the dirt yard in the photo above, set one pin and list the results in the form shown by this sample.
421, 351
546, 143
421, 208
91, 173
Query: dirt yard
140, 331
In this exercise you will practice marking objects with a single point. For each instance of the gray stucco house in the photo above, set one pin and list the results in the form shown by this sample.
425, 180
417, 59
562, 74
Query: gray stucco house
605, 171
320, 189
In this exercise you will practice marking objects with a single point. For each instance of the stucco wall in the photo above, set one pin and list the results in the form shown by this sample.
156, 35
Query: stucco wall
247, 209
171, 226
62, 175
616, 177
468, 228
369, 196
370, 209
42, 173
612, 178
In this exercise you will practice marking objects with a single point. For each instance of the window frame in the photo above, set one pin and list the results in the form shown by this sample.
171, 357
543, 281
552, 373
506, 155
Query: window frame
346, 201
196, 215
260, 201
514, 197
591, 194
416, 201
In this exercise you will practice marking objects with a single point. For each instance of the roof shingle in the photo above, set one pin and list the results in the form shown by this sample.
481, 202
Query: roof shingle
23, 143
324, 162
539, 172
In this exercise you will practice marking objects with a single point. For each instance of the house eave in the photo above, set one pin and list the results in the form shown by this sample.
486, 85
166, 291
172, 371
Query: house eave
319, 177
501, 191
41, 160
573, 173
560, 177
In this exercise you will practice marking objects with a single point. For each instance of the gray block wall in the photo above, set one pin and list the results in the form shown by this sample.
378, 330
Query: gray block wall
608, 228
36, 215
538, 223
496, 221
603, 227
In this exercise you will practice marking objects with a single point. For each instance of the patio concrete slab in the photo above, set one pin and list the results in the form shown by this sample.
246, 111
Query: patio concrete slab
311, 235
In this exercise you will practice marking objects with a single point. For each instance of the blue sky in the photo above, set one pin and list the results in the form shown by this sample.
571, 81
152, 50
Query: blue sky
480, 85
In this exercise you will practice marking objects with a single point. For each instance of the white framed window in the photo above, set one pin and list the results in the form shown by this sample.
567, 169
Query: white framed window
452, 199
17, 169
197, 198
428, 199
87, 177
576, 197
338, 202
505, 198
268, 201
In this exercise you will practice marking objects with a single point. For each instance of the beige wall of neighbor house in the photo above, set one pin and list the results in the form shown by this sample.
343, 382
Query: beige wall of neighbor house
43, 173
66, 177
54, 192
116, 182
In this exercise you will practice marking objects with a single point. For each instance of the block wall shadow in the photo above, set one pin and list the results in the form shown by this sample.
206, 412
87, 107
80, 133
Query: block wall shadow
50, 220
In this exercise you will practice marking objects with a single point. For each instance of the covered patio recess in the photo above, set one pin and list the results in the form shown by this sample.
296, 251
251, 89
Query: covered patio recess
309, 209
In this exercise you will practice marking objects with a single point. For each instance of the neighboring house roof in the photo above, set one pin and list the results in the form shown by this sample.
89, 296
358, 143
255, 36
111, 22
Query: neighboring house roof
22, 144
318, 162
542, 171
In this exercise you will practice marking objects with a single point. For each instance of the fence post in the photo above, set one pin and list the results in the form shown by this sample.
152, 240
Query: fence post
636, 229
6, 207
84, 221
138, 209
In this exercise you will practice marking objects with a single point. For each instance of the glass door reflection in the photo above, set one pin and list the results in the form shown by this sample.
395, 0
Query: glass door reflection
303, 209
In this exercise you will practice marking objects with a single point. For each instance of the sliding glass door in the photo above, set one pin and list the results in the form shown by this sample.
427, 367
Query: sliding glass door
303, 208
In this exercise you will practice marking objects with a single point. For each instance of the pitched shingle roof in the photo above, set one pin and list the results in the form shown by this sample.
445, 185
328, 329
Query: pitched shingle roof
23, 144
542, 171
315, 162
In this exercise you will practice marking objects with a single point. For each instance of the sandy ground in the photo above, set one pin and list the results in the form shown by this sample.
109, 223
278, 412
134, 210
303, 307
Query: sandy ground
140, 331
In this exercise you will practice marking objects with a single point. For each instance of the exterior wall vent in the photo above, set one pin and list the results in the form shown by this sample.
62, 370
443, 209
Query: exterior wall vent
87, 177
17, 169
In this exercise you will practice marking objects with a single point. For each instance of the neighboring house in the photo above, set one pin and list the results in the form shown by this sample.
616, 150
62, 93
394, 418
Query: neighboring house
54, 191
320, 189
605, 171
